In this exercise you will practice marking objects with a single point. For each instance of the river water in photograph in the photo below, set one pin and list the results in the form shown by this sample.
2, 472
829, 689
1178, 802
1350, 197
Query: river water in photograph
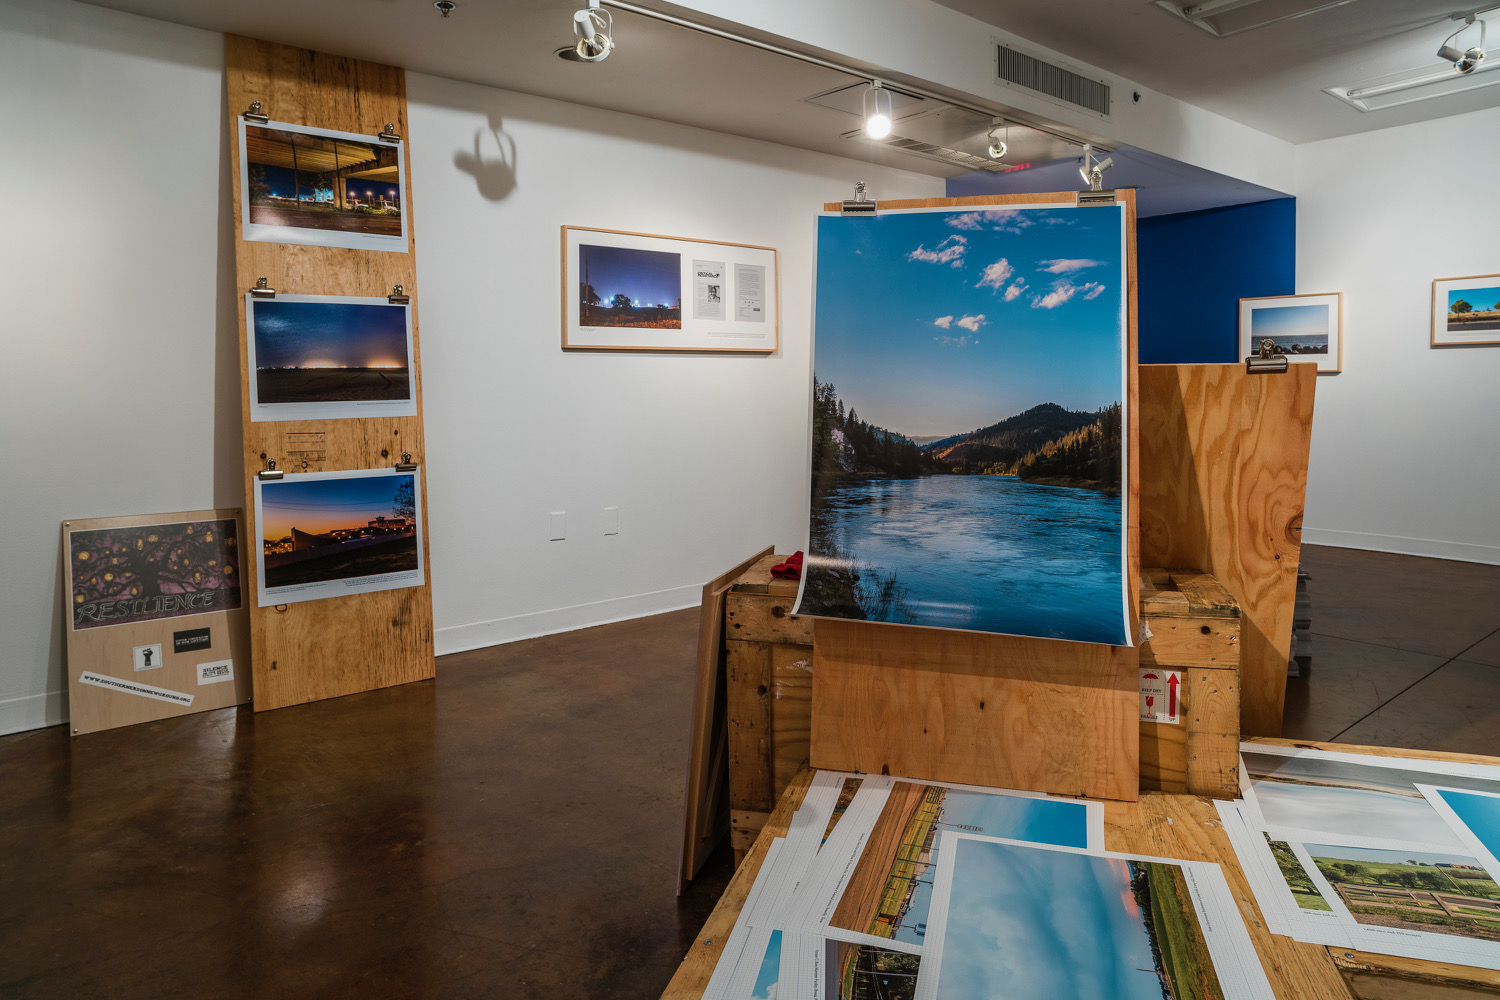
985, 553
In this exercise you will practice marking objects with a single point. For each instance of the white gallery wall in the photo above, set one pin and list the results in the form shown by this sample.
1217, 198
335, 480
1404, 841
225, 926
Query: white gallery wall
1406, 441
121, 336
703, 455
121, 385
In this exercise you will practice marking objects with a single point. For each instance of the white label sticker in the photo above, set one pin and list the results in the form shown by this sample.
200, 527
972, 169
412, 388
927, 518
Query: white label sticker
135, 688
216, 672
1161, 695
147, 657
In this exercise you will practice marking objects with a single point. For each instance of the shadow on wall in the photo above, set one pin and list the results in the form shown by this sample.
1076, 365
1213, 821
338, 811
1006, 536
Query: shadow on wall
495, 178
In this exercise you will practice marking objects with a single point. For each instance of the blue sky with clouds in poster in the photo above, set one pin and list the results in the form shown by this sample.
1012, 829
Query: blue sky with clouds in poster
935, 323
1044, 924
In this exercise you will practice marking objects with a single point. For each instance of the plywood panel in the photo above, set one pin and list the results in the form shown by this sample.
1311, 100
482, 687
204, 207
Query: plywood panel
321, 649
1223, 474
967, 706
995, 710
107, 650
708, 741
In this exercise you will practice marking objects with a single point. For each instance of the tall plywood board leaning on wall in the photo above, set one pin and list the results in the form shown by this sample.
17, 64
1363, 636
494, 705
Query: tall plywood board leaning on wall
1223, 478
312, 649
983, 708
706, 793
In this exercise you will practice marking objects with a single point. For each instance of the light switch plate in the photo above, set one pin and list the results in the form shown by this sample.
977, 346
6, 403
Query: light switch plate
559, 526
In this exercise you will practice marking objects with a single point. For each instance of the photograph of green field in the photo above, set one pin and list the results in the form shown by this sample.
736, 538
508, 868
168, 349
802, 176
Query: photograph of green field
1437, 893
1177, 940
1303, 890
865, 972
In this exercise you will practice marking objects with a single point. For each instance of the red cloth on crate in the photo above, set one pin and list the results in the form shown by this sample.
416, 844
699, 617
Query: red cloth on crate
789, 570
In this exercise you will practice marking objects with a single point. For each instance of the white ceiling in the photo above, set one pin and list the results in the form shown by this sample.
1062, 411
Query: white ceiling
658, 70
1269, 78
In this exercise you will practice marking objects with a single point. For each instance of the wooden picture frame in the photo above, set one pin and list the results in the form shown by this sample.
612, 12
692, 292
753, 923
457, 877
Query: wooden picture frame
727, 295
1289, 333
1481, 321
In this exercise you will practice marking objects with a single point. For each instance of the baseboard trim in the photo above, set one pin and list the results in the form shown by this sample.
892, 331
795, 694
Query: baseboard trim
457, 638
1429, 547
33, 711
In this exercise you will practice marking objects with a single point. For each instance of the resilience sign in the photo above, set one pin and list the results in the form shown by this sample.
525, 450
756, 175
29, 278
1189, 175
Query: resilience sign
152, 571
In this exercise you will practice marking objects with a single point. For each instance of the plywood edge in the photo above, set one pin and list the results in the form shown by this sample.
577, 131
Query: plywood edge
967, 201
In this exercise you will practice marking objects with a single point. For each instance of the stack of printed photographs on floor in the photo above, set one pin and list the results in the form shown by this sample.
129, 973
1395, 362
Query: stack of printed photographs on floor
893, 889
1381, 854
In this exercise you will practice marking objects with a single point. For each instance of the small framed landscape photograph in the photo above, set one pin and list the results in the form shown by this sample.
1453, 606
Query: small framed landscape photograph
1466, 311
319, 187
1306, 328
626, 291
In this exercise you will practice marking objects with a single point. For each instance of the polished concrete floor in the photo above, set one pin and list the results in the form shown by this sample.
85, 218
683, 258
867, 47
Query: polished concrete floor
512, 830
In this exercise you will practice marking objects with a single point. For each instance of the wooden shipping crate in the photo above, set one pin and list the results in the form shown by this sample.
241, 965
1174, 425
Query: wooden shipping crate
1192, 625
768, 674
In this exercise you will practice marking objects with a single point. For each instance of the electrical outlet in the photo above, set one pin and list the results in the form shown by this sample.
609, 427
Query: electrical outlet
559, 526
611, 520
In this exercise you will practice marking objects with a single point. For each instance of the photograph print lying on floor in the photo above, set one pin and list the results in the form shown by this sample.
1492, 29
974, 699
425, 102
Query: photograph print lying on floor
325, 357
320, 187
967, 448
328, 534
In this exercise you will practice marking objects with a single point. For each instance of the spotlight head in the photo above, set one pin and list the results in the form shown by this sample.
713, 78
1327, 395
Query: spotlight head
1450, 53
877, 102
1472, 58
593, 31
1463, 60
998, 146
1104, 164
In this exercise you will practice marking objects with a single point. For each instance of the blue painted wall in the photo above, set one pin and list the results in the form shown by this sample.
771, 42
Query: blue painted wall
1192, 269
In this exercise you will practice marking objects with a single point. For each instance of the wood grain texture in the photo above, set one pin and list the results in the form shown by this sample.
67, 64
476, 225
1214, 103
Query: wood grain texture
971, 707
1224, 473
791, 712
766, 618
747, 672
322, 649
999, 710
107, 650
1159, 825
707, 770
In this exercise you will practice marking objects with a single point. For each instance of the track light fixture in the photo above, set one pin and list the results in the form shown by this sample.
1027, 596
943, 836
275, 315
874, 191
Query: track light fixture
1092, 170
594, 33
1463, 60
877, 111
998, 145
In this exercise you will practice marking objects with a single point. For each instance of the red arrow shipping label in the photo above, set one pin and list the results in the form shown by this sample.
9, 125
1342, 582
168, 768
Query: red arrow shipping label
1161, 695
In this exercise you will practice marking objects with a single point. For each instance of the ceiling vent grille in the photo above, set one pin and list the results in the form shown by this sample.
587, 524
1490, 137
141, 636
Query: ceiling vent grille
943, 153
1054, 81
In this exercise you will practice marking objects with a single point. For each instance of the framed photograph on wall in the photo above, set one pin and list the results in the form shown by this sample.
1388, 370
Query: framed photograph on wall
634, 292
1304, 327
1466, 311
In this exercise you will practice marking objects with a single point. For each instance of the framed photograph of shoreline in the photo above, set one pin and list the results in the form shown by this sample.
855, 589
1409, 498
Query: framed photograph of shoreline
330, 534
1466, 311
319, 187
326, 357
1304, 327
636, 292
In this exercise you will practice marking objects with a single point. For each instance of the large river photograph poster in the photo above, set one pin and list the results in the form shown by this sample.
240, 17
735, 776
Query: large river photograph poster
969, 371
